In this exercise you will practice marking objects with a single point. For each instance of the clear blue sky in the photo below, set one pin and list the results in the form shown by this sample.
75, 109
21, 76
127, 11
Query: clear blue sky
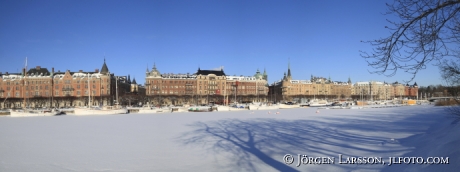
320, 37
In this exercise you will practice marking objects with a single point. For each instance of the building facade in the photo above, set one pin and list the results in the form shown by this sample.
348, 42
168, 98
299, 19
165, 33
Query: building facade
203, 87
288, 89
39, 87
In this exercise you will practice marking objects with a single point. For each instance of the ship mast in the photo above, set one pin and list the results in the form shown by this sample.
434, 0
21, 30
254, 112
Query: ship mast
89, 94
24, 84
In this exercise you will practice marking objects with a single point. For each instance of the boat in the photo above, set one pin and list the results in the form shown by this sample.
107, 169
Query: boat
105, 110
264, 107
150, 110
200, 109
30, 112
318, 103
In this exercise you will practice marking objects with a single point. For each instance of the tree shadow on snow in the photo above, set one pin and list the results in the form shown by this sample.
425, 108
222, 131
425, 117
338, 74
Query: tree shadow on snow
267, 140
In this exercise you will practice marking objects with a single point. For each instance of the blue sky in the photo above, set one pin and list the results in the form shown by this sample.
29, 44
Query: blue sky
320, 38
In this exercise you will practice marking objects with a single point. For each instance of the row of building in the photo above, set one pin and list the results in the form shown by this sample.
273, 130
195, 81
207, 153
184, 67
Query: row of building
288, 89
39, 87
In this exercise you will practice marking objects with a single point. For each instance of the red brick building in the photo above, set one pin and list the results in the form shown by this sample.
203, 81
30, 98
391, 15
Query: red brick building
39, 87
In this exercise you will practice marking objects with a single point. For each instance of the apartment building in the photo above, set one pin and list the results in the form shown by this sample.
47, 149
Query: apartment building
39, 87
204, 87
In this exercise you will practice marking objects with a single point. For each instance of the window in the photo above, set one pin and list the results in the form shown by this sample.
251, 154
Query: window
17, 88
94, 86
57, 87
78, 86
17, 94
78, 93
57, 93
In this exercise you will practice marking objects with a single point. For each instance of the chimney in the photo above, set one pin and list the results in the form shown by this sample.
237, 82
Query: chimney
97, 70
52, 69
6, 73
81, 71
38, 67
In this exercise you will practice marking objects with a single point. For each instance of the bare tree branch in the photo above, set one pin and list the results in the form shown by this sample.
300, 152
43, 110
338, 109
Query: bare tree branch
426, 31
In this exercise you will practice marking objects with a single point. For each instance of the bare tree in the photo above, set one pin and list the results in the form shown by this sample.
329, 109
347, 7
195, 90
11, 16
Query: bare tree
426, 32
450, 72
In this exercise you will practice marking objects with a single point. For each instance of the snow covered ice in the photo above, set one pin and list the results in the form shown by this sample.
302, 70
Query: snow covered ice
230, 141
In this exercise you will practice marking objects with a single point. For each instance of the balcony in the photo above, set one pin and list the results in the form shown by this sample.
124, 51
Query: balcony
1, 91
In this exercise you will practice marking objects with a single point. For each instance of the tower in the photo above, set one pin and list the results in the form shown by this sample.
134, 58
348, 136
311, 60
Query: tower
289, 77
265, 76
134, 87
104, 69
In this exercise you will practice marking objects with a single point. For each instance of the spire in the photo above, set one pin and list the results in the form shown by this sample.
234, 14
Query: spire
265, 76
349, 80
134, 81
104, 69
147, 71
129, 79
289, 68
154, 66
